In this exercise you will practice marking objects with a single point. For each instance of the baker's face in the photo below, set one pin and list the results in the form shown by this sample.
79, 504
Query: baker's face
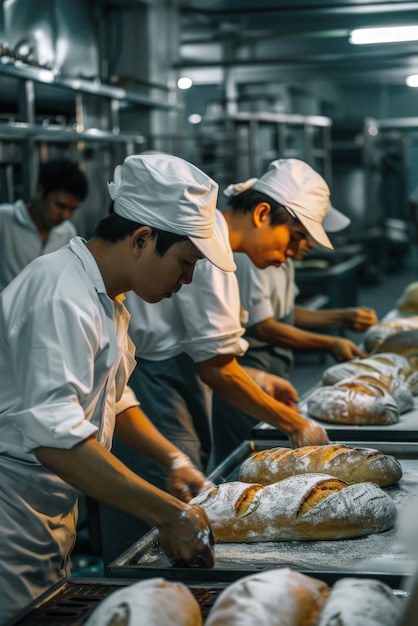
56, 207
305, 245
272, 245
157, 277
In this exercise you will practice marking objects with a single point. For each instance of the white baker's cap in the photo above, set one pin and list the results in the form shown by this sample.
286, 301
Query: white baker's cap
164, 191
302, 191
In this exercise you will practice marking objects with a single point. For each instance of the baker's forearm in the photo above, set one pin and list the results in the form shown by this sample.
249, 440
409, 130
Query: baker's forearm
137, 431
96, 472
279, 334
326, 317
230, 381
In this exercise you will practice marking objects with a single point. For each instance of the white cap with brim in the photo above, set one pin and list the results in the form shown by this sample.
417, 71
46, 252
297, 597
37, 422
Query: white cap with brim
298, 188
164, 191
335, 221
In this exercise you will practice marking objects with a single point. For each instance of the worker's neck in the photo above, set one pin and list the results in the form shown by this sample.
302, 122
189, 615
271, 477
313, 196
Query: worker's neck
238, 226
110, 261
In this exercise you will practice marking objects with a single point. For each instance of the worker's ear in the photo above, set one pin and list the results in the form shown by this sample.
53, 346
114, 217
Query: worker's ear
139, 240
261, 214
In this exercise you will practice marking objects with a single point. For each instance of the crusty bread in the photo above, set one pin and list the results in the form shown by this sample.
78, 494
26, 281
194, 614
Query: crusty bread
408, 302
353, 465
375, 335
395, 365
154, 602
361, 602
303, 507
404, 343
357, 400
272, 598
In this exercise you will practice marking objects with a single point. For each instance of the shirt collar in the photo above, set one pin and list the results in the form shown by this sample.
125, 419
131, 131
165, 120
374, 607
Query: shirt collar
79, 248
22, 214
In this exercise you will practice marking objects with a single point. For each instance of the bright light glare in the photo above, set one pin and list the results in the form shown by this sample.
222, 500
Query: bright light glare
384, 35
184, 82
412, 81
195, 118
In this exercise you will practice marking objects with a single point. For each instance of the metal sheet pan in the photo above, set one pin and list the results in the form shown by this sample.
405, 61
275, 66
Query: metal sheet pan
70, 603
404, 430
376, 553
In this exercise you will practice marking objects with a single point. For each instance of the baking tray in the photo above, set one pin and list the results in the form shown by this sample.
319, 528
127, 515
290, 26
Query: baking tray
404, 430
375, 553
70, 603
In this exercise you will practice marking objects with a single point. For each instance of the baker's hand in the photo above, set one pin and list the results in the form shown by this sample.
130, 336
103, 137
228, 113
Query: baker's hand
188, 539
309, 434
345, 350
184, 480
278, 388
359, 319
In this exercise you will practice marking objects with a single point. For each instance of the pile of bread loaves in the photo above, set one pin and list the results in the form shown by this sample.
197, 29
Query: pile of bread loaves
277, 597
375, 390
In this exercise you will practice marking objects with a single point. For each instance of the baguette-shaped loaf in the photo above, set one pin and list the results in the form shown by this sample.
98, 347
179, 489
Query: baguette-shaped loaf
353, 465
154, 602
375, 335
304, 507
276, 597
361, 602
357, 400
388, 363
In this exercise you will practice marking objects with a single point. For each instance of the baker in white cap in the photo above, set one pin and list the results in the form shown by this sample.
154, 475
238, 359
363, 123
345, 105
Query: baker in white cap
275, 325
187, 346
65, 359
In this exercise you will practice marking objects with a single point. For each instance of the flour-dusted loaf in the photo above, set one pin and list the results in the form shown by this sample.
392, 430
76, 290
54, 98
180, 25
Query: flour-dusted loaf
153, 602
389, 363
408, 302
404, 343
361, 602
278, 597
357, 400
305, 507
375, 335
353, 465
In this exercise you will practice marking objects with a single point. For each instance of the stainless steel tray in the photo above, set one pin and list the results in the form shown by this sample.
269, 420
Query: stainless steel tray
377, 553
404, 430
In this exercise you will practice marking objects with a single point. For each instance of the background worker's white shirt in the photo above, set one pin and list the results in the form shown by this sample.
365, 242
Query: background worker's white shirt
65, 356
265, 293
21, 243
203, 319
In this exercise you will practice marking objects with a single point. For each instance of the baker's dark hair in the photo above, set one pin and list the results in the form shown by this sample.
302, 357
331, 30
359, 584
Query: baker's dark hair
115, 228
246, 201
62, 175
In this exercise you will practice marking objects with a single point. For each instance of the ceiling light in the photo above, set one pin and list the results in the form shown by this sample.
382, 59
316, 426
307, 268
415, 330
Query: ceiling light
412, 80
184, 82
384, 35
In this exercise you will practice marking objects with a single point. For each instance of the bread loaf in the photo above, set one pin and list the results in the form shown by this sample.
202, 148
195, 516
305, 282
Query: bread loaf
304, 507
353, 465
387, 363
357, 400
361, 602
154, 602
408, 302
375, 335
272, 598
404, 343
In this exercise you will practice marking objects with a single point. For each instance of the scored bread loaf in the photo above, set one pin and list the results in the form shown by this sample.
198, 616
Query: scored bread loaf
353, 465
279, 596
386, 363
404, 343
361, 602
304, 507
154, 602
375, 335
357, 400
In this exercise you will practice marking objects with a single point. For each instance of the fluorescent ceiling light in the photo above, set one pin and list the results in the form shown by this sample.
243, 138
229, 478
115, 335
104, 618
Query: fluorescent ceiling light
412, 81
384, 35
184, 82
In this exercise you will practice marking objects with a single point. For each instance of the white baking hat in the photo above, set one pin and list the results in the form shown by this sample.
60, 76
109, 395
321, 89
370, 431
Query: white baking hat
297, 187
166, 192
